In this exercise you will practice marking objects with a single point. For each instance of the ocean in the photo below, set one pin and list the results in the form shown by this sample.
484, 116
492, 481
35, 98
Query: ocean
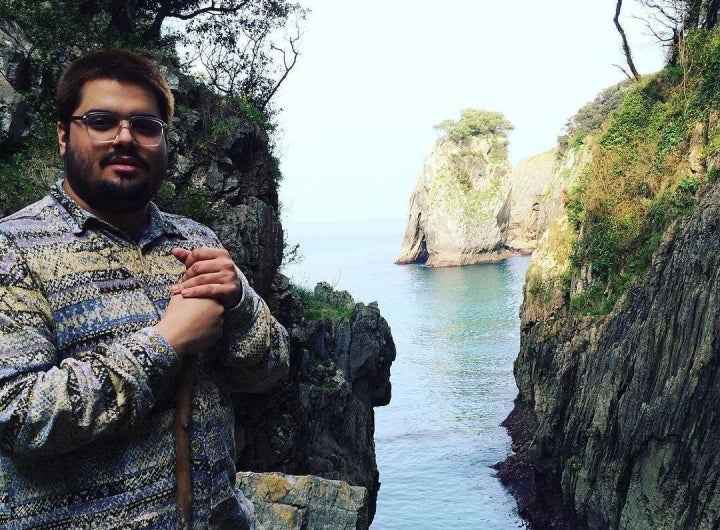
457, 334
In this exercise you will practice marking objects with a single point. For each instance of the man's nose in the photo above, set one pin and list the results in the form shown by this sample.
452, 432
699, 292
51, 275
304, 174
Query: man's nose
124, 135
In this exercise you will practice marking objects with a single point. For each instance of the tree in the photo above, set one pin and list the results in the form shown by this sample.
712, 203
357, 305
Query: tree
240, 42
672, 20
625, 45
249, 55
473, 123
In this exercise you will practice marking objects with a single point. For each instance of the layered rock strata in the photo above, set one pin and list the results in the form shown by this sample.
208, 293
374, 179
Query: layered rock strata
615, 425
287, 502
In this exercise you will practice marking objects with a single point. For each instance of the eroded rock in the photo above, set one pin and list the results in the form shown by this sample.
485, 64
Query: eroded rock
287, 502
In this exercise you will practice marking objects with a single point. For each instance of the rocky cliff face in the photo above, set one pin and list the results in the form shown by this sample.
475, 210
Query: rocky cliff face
454, 211
535, 197
319, 421
615, 425
470, 207
13, 110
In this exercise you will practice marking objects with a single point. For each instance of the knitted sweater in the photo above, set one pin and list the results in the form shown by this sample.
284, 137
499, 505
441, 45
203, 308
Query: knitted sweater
87, 386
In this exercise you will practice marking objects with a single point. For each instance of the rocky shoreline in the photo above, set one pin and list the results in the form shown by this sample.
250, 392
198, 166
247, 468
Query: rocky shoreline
539, 504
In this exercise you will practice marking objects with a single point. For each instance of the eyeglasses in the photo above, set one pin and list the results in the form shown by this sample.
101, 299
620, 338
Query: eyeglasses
104, 127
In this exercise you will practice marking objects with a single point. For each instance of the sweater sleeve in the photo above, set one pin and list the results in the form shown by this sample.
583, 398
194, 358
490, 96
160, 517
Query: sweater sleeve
254, 347
49, 404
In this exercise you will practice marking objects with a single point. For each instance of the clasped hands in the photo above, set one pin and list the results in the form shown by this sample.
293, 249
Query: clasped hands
193, 320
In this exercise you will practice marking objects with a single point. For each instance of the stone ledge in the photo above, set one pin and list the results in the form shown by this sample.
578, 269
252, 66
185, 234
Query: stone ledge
290, 502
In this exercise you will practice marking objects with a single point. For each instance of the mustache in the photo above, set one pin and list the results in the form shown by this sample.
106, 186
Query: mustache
110, 157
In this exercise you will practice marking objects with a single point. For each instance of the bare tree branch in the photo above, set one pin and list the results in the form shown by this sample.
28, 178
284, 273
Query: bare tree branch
212, 9
250, 59
622, 69
288, 66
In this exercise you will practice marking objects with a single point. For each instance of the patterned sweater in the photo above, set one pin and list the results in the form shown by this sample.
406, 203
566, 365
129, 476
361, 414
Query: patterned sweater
87, 386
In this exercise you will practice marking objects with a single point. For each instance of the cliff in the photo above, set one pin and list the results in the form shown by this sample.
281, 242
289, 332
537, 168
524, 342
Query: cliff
469, 206
615, 423
455, 210
316, 425
624, 408
535, 197
320, 420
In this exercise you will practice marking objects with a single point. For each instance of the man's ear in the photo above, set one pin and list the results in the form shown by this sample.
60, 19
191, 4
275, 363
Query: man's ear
62, 135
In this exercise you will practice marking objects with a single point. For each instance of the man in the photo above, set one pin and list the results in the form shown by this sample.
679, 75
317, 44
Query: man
102, 298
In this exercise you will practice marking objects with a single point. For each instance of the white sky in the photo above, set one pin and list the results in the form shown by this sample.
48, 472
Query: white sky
374, 77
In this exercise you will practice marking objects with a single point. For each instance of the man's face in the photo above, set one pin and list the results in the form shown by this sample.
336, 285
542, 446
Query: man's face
119, 177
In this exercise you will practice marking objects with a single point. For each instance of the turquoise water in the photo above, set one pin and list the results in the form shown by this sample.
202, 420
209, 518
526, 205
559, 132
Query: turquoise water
456, 331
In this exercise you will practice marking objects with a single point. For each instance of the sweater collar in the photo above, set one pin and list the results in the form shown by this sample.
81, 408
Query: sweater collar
78, 217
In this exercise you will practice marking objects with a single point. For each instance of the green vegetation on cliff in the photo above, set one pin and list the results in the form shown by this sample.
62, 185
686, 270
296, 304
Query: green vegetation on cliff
475, 123
648, 166
591, 117
475, 162
324, 303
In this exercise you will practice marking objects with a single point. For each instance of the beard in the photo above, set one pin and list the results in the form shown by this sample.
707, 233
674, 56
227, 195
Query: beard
127, 196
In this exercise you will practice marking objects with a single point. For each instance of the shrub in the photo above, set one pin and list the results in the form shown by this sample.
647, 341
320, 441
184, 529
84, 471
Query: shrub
593, 115
474, 123
324, 303
26, 176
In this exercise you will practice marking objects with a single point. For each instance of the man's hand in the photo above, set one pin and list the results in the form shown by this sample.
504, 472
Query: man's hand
210, 273
191, 325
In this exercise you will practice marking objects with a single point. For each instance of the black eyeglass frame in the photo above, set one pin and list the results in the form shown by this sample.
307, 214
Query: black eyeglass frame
84, 119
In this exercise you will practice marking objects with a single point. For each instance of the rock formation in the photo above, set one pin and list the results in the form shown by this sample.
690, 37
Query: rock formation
469, 207
455, 216
13, 111
615, 425
622, 413
536, 197
319, 421
286, 502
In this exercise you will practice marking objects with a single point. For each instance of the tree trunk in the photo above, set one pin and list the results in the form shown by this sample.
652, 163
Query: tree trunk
625, 45
183, 459
712, 14
692, 16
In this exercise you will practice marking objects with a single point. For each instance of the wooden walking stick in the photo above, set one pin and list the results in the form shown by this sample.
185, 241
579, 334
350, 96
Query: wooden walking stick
183, 459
